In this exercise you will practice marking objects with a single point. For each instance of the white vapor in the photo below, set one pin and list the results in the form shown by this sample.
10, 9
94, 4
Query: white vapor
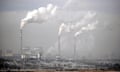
91, 26
39, 15
63, 28
85, 21
78, 33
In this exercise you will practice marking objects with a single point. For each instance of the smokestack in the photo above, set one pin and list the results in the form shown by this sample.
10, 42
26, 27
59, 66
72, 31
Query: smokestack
85, 24
59, 46
39, 15
90, 26
61, 28
75, 46
87, 28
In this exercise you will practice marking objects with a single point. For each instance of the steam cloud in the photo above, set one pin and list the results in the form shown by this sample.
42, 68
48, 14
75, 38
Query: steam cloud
87, 28
83, 24
39, 15
63, 28
87, 23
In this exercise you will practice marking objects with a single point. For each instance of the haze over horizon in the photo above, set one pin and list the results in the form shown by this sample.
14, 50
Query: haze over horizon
100, 43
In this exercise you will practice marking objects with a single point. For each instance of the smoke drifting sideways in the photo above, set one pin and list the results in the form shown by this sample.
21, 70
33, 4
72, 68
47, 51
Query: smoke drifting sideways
87, 23
84, 24
39, 15
86, 28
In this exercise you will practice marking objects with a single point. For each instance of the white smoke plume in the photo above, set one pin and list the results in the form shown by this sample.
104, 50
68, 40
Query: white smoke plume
86, 20
78, 33
86, 28
39, 15
87, 23
63, 28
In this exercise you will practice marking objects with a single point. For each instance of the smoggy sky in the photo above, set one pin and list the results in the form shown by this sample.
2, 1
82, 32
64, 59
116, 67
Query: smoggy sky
103, 42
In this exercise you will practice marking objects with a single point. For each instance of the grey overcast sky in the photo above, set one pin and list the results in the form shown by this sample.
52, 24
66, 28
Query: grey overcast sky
105, 40
20, 5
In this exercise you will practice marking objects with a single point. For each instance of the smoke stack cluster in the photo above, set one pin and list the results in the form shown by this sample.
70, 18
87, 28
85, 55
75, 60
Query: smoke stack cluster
39, 15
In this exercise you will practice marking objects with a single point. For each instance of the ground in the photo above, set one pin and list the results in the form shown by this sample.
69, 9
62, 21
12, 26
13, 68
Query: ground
36, 70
